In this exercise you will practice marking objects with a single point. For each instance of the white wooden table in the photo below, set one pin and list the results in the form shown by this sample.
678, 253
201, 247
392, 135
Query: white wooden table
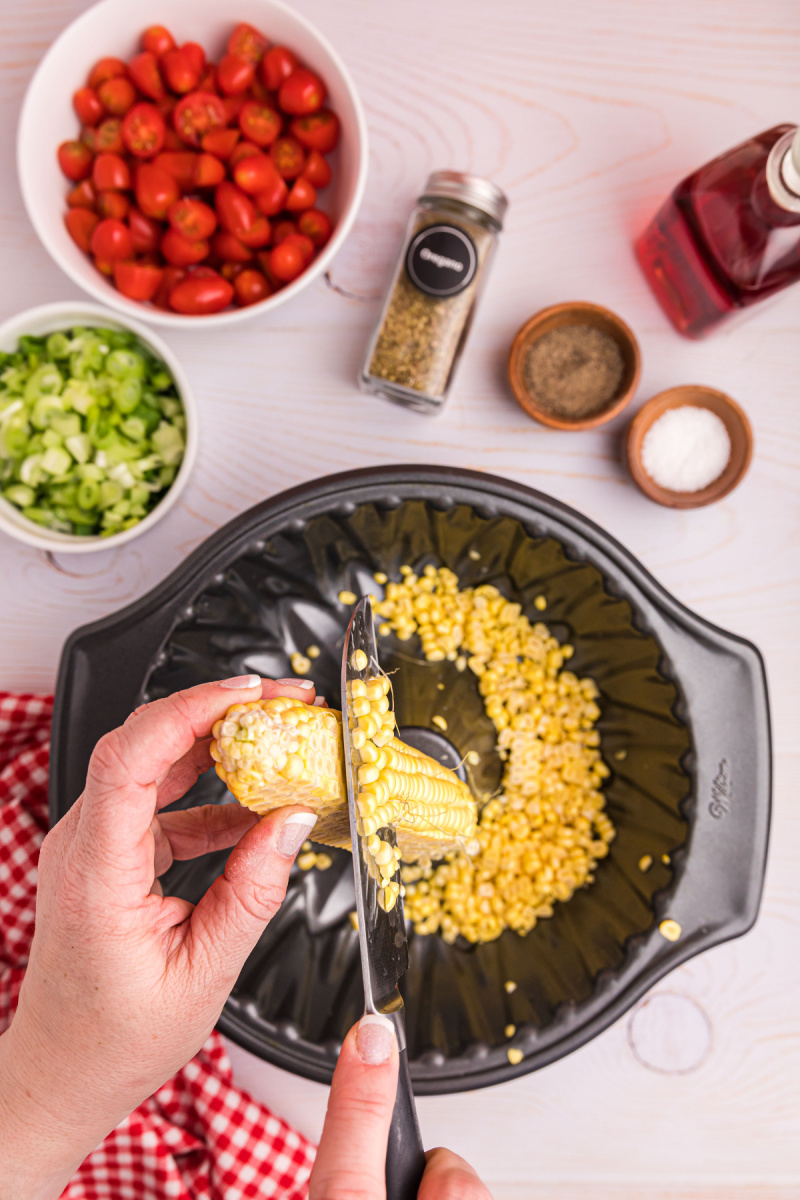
586, 112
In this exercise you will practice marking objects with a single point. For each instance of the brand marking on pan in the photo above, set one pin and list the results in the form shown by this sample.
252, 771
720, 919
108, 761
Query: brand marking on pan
720, 804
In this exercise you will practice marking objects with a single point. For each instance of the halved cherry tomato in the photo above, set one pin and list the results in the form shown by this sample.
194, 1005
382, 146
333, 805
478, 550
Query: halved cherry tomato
86, 103
260, 123
235, 74
220, 142
272, 199
117, 95
258, 235
181, 166
208, 171
235, 210
196, 55
287, 260
111, 241
112, 204
317, 169
136, 280
75, 160
226, 246
170, 276
108, 137
182, 252
262, 94
250, 287
80, 223
315, 225
242, 150
82, 195
106, 68
283, 229
202, 291
110, 171
277, 64
145, 73
209, 81
247, 42
143, 130
233, 106
197, 114
289, 157
192, 219
255, 173
303, 92
145, 232
302, 196
181, 73
158, 40
156, 190
317, 131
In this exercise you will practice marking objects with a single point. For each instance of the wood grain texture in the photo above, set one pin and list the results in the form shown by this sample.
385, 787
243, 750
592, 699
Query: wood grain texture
587, 112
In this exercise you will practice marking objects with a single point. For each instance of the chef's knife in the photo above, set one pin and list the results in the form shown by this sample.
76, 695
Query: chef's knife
381, 935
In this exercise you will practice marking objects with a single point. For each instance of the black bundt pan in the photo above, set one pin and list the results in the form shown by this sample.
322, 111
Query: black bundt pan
685, 729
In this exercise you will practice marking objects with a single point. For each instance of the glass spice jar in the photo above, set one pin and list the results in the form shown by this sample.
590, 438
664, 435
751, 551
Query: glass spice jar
422, 329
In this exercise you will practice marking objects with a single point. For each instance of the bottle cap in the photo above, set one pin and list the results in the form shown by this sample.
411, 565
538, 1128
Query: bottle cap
469, 189
783, 171
790, 167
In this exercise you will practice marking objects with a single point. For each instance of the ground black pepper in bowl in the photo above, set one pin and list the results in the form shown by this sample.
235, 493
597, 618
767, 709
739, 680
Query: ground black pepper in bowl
574, 370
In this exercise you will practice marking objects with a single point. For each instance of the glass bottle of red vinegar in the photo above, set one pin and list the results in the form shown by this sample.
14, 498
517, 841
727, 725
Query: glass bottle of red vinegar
729, 234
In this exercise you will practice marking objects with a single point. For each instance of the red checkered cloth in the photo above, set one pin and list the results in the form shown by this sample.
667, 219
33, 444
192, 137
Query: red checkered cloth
196, 1138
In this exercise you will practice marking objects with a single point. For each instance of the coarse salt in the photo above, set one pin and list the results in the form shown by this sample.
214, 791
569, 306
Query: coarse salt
686, 449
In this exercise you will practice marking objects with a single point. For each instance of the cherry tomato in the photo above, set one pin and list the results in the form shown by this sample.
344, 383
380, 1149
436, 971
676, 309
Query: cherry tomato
86, 103
242, 150
169, 277
229, 270
235, 210
196, 55
158, 40
235, 74
289, 157
108, 137
250, 287
262, 94
255, 173
180, 251
104, 266
302, 196
145, 232
180, 71
89, 138
111, 241
220, 142
172, 142
247, 42
136, 280
181, 165
260, 123
283, 229
226, 246
258, 235
112, 204
303, 92
75, 160
156, 190
106, 68
272, 199
203, 291
233, 106
315, 225
287, 261
82, 195
317, 131
197, 114
317, 169
80, 223
305, 245
146, 75
110, 171
117, 95
192, 219
278, 64
208, 171
143, 130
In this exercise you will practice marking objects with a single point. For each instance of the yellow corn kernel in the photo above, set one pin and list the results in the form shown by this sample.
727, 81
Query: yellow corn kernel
354, 920
384, 629
323, 862
300, 664
380, 577
313, 652
473, 758
510, 986
515, 1055
474, 555
510, 1030
346, 597
358, 660
439, 722
540, 603
645, 862
671, 930
306, 861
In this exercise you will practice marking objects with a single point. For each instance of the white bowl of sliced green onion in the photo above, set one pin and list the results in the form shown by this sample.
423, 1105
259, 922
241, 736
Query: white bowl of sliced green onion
98, 429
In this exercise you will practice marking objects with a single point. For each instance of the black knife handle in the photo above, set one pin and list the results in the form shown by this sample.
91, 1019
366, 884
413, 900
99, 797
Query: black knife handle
405, 1157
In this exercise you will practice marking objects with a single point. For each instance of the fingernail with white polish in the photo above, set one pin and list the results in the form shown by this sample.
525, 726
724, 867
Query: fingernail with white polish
293, 832
375, 1039
300, 683
241, 681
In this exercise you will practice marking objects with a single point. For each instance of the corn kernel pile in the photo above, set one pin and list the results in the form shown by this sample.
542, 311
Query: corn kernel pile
542, 836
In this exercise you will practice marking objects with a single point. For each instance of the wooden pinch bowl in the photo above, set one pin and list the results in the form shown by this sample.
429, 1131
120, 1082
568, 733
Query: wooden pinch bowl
575, 312
697, 396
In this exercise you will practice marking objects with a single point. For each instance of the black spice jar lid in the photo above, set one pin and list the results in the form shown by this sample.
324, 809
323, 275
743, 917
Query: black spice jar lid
469, 189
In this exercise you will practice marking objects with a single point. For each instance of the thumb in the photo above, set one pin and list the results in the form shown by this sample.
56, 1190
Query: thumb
351, 1160
232, 915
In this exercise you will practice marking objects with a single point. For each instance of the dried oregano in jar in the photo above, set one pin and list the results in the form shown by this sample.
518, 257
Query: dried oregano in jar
425, 320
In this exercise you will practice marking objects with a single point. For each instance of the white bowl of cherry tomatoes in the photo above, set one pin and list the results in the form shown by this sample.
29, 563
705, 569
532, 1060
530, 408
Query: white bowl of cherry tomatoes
187, 166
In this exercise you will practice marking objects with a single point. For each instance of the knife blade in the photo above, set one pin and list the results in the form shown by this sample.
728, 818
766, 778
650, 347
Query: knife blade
381, 935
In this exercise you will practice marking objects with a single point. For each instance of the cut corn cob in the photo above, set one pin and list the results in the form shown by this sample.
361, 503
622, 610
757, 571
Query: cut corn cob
276, 752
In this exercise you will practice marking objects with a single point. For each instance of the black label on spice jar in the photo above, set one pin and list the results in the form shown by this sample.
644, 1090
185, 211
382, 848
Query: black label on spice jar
442, 260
